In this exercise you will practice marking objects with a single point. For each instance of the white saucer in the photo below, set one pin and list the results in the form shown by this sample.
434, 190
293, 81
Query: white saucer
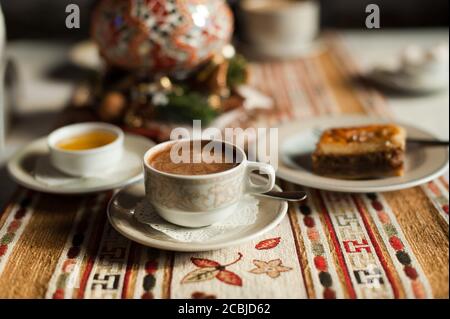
22, 165
121, 209
409, 84
298, 139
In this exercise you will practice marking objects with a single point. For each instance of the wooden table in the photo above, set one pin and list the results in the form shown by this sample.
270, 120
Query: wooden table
390, 245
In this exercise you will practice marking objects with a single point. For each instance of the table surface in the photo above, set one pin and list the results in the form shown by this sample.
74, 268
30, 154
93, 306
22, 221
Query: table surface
392, 245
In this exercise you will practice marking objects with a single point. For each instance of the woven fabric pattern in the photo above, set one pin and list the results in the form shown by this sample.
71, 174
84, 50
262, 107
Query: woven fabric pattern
390, 245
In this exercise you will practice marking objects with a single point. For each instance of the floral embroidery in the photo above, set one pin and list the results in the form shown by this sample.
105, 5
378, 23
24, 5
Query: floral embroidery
272, 268
210, 269
268, 243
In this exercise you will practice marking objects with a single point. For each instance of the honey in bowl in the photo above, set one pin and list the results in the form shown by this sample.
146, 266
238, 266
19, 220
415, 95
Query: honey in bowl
87, 141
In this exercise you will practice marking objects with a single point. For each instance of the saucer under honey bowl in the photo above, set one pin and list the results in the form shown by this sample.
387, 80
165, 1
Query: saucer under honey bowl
80, 158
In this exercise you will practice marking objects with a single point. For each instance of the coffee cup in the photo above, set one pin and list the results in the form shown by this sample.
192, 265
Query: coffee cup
197, 200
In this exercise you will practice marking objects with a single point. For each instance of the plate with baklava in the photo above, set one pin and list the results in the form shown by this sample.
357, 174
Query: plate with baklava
358, 154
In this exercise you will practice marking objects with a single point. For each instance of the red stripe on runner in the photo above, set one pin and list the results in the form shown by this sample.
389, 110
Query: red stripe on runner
340, 256
272, 91
282, 88
126, 279
318, 85
85, 277
315, 105
362, 213
297, 247
96, 239
168, 281
444, 182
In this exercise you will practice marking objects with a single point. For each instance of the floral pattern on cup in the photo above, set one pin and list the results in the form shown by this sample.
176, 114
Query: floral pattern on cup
202, 200
194, 195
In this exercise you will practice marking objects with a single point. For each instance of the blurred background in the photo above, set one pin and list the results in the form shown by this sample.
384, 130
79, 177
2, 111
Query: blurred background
45, 19
40, 76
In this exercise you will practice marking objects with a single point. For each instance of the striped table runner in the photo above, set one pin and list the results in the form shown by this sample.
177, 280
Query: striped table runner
390, 245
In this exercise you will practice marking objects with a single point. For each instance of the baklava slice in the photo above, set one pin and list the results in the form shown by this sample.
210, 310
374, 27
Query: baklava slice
362, 152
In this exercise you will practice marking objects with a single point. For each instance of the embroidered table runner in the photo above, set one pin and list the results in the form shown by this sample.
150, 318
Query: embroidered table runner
390, 245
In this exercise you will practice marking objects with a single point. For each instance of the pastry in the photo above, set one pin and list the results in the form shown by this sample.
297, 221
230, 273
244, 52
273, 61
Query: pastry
361, 152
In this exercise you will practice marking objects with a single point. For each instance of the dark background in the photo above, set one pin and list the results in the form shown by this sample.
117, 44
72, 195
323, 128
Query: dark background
46, 18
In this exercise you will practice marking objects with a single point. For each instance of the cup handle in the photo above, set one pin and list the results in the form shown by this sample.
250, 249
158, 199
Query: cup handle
264, 168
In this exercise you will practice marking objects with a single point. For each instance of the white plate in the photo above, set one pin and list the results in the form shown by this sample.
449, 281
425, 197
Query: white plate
120, 215
299, 139
21, 168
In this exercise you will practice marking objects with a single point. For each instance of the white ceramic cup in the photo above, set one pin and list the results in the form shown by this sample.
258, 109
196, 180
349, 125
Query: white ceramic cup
202, 200
280, 28
90, 162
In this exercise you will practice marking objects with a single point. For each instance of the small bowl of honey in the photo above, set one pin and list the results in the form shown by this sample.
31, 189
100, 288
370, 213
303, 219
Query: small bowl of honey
86, 149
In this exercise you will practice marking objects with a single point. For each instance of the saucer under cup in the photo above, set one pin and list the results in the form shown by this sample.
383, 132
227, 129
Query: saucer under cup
122, 207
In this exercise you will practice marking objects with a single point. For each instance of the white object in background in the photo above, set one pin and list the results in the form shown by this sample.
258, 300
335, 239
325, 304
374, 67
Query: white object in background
3, 111
432, 63
417, 70
282, 28
85, 54
254, 99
